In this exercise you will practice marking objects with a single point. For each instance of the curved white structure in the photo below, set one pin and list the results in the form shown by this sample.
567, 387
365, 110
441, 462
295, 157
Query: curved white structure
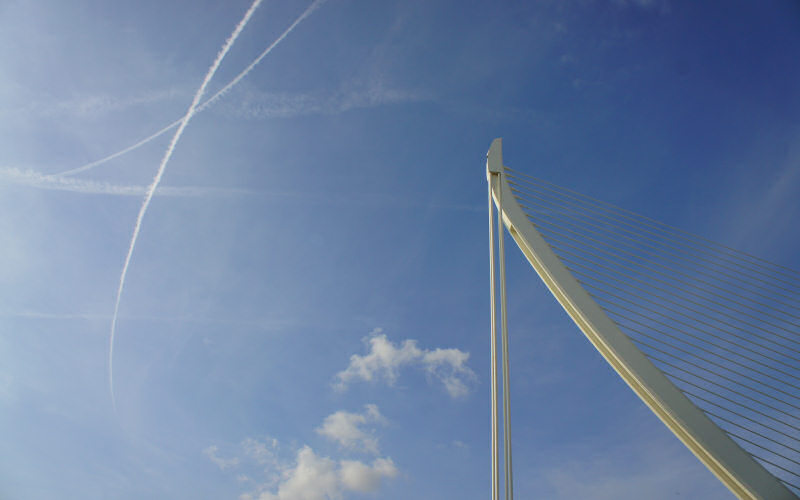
736, 468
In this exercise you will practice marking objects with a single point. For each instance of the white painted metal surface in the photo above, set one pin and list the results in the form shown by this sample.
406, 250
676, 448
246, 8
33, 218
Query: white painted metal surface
745, 477
495, 472
494, 179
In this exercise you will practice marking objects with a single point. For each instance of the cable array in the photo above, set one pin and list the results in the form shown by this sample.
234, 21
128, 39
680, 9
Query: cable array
722, 325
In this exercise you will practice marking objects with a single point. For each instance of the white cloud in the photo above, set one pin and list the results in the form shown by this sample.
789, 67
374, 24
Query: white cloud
312, 478
322, 478
345, 428
385, 359
222, 463
449, 366
308, 476
363, 478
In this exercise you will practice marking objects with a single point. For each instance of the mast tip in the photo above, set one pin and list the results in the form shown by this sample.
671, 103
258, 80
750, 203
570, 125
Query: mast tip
494, 158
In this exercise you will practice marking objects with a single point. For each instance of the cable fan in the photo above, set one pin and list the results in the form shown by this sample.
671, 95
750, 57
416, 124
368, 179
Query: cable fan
708, 337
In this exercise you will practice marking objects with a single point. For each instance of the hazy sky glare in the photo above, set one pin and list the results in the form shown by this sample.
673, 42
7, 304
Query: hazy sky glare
327, 217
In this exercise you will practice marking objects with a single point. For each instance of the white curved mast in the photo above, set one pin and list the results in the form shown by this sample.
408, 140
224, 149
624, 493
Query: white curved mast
745, 477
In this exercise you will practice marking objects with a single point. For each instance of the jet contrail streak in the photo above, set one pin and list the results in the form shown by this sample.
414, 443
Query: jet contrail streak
152, 188
211, 100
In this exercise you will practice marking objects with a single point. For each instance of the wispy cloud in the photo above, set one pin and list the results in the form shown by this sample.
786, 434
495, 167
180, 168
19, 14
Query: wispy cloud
38, 180
59, 316
261, 324
33, 179
662, 469
159, 174
663, 6
93, 106
263, 452
385, 359
346, 429
259, 104
214, 98
773, 214
222, 463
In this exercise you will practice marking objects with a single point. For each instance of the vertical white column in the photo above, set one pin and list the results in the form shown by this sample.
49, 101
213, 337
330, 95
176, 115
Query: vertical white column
494, 173
493, 351
509, 477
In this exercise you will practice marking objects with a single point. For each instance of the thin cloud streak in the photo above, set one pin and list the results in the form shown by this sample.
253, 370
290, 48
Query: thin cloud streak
263, 324
211, 100
151, 190
96, 105
37, 180
257, 105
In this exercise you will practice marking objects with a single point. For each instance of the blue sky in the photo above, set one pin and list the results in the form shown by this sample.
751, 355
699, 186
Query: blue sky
306, 311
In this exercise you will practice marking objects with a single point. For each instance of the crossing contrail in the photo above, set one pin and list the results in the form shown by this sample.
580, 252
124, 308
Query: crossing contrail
152, 188
208, 102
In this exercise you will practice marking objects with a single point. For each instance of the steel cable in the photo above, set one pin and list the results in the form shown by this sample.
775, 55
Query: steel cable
617, 231
722, 325
652, 223
537, 222
521, 193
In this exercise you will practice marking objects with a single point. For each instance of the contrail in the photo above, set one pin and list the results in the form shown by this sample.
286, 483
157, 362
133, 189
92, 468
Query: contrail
211, 100
152, 188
